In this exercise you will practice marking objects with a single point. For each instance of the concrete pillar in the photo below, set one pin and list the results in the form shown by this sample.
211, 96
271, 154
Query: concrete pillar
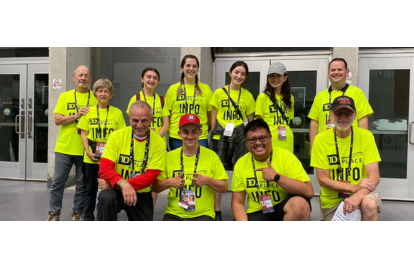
62, 63
203, 54
350, 54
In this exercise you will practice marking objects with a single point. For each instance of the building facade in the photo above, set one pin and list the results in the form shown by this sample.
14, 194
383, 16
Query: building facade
31, 80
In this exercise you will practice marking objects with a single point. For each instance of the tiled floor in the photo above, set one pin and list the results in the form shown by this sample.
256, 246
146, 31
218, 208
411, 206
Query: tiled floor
29, 201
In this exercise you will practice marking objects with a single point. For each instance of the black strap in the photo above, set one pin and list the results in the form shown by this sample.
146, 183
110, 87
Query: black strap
236, 107
280, 109
146, 154
99, 121
195, 165
340, 175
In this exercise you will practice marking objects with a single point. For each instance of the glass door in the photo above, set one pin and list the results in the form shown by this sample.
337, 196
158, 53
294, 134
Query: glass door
387, 81
307, 75
23, 123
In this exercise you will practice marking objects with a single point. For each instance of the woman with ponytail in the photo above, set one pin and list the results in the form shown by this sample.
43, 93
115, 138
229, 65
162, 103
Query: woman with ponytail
189, 96
275, 106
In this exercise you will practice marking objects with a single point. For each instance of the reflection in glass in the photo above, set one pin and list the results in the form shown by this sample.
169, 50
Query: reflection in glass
41, 92
9, 109
389, 98
303, 86
252, 84
124, 65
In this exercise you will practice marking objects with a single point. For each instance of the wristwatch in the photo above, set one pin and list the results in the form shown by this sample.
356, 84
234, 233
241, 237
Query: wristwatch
277, 177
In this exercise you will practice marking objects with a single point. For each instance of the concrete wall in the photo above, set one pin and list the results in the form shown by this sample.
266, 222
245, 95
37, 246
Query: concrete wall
350, 54
203, 54
62, 63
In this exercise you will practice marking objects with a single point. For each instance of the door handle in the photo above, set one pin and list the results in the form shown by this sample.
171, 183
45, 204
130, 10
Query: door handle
29, 103
29, 126
16, 125
409, 133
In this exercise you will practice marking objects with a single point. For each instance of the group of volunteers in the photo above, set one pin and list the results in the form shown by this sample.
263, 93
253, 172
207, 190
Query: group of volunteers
207, 135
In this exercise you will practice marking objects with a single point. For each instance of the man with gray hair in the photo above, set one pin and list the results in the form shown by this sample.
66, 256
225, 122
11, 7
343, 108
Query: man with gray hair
70, 107
131, 162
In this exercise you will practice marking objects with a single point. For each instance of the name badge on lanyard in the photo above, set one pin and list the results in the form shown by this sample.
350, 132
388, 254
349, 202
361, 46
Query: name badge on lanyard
100, 146
229, 129
267, 205
281, 133
187, 200
329, 124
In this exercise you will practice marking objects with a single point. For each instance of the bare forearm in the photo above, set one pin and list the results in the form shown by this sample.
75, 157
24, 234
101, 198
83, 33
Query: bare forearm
165, 125
84, 136
64, 120
363, 122
296, 187
238, 211
161, 185
217, 185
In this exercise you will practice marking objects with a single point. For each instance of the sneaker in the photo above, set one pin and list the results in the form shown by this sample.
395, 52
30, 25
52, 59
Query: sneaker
53, 217
77, 216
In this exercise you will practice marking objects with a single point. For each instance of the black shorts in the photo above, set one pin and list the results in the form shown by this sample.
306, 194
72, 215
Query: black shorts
277, 215
169, 217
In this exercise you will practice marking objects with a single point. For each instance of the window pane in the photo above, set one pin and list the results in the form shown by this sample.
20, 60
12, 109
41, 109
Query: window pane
389, 97
221, 50
123, 67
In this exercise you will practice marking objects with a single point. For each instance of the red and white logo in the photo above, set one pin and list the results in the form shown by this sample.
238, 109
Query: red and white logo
344, 101
190, 117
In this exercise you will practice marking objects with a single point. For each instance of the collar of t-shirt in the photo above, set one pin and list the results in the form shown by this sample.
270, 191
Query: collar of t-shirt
343, 89
140, 139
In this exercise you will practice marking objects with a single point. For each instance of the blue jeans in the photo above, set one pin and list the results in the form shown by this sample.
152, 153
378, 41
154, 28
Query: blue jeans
177, 143
63, 164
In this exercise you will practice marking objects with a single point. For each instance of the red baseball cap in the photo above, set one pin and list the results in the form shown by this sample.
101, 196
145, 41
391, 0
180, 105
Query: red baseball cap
189, 119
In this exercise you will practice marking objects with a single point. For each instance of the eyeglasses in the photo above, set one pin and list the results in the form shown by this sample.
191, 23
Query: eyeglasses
339, 114
261, 139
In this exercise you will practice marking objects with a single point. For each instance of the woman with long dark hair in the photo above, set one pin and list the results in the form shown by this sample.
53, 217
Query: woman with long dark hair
275, 106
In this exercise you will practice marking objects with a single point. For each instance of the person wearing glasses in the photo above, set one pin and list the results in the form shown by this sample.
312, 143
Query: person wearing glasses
352, 183
276, 185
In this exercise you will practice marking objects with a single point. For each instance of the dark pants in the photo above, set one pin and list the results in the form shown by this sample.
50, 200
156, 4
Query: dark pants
277, 215
111, 202
91, 172
169, 217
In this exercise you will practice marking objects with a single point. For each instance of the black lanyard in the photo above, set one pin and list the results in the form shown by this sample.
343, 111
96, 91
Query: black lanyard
236, 106
343, 89
153, 104
255, 175
279, 108
186, 100
348, 170
76, 102
195, 166
99, 120
146, 154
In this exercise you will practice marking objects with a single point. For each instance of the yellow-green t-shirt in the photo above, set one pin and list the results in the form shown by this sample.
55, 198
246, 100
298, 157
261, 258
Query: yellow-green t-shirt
226, 113
118, 150
69, 141
273, 117
208, 165
320, 107
177, 106
324, 156
114, 121
158, 113
284, 163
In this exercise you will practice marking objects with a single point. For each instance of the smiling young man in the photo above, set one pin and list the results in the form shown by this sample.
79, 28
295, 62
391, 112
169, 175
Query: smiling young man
274, 180
346, 161
132, 160
192, 171
319, 113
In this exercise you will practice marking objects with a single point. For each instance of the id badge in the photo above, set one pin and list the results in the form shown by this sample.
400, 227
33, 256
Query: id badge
229, 129
100, 146
133, 175
79, 131
344, 194
187, 200
329, 124
266, 202
281, 133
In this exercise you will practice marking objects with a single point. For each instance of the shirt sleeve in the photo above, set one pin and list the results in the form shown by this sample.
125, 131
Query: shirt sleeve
260, 104
237, 181
144, 180
107, 171
84, 122
251, 106
214, 99
362, 106
317, 157
315, 109
371, 154
60, 106
133, 99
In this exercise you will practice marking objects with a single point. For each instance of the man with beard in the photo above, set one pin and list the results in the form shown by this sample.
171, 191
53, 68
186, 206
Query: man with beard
346, 161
